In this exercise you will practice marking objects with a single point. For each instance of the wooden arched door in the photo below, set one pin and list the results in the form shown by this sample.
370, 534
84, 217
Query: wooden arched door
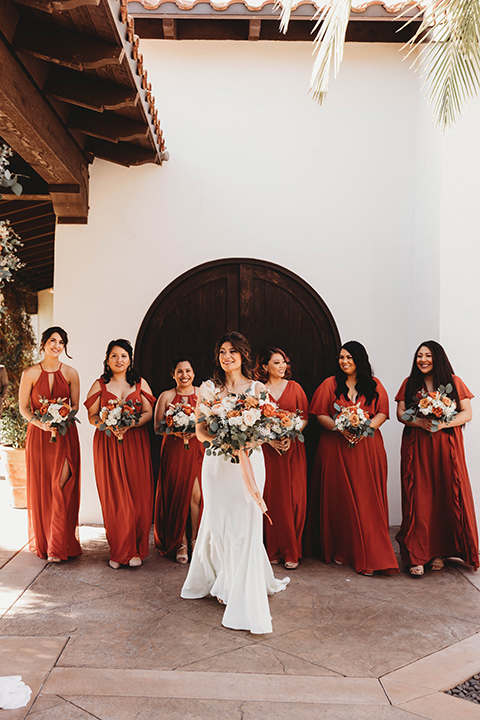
267, 303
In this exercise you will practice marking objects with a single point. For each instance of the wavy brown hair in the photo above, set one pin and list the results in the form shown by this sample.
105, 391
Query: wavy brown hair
264, 357
47, 334
132, 375
241, 344
442, 374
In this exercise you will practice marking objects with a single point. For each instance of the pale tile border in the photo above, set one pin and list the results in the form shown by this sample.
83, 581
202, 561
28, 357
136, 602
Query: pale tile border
32, 658
439, 706
16, 576
215, 685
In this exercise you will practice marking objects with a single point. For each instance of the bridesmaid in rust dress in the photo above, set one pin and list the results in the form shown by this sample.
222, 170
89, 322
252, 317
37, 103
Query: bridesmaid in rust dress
123, 470
179, 492
53, 469
348, 500
438, 513
285, 491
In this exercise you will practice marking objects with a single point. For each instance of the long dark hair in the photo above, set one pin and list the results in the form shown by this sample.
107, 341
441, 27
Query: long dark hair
47, 334
132, 375
365, 384
241, 344
264, 357
442, 373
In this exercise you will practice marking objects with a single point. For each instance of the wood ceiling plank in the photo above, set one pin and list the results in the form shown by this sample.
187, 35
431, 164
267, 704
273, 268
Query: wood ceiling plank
78, 88
65, 47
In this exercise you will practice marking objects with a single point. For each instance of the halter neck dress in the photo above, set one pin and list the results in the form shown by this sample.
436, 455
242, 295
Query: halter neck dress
178, 470
52, 510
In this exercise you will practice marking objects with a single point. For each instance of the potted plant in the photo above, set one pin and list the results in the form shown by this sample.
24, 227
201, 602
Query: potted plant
18, 344
13, 432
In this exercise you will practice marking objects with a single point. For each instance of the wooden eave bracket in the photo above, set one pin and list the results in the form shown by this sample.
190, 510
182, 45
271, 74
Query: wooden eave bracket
254, 28
106, 126
78, 88
65, 47
169, 28
122, 153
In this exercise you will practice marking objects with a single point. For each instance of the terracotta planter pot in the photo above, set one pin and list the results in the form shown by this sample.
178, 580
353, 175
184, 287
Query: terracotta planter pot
16, 472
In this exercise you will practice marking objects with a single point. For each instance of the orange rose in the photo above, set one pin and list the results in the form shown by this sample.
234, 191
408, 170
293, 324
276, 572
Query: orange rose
43, 409
251, 402
169, 420
424, 402
354, 420
130, 410
446, 401
285, 421
234, 413
187, 409
269, 411
64, 410
438, 412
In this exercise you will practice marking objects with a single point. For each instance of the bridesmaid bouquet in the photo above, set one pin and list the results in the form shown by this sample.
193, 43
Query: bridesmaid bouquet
354, 420
435, 405
284, 424
58, 413
179, 417
119, 414
237, 422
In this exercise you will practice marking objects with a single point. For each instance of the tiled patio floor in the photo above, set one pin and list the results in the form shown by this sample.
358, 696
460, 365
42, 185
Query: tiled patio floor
122, 645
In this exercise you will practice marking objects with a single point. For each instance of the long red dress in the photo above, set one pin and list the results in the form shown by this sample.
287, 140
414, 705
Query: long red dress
52, 510
285, 490
178, 469
123, 472
438, 513
348, 504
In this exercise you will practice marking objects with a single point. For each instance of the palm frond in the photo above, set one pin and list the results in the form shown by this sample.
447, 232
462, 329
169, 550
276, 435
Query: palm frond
450, 59
328, 43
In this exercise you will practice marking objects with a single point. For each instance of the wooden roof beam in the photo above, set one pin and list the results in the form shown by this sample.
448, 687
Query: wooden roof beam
78, 88
106, 126
254, 28
51, 5
169, 28
31, 128
122, 153
65, 47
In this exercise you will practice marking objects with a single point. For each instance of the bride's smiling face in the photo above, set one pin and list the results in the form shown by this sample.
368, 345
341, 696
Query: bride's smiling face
229, 358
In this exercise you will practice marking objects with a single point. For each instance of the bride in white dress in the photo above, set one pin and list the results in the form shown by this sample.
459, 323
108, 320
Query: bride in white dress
229, 560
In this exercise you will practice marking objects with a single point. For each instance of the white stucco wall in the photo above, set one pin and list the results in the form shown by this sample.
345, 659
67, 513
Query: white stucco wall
346, 196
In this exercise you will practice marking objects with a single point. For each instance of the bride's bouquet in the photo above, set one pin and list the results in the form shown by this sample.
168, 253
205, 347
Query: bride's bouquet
119, 414
353, 419
58, 413
435, 405
237, 422
179, 417
284, 424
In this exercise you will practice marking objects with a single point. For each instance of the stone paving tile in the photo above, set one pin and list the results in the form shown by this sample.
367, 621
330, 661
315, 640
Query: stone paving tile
257, 659
371, 640
439, 706
108, 708
51, 707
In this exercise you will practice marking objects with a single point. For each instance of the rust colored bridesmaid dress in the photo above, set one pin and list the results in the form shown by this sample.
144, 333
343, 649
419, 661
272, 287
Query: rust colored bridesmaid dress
438, 513
285, 491
348, 514
123, 472
178, 469
52, 510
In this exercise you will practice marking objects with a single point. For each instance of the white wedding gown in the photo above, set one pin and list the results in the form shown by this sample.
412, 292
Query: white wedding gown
229, 560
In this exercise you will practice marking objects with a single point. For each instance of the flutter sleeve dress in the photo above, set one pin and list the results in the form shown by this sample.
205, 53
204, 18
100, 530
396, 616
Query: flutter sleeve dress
438, 512
285, 491
52, 510
178, 470
123, 472
348, 516
229, 560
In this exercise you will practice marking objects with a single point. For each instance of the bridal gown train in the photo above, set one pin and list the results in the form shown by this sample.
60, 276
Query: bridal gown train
229, 560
